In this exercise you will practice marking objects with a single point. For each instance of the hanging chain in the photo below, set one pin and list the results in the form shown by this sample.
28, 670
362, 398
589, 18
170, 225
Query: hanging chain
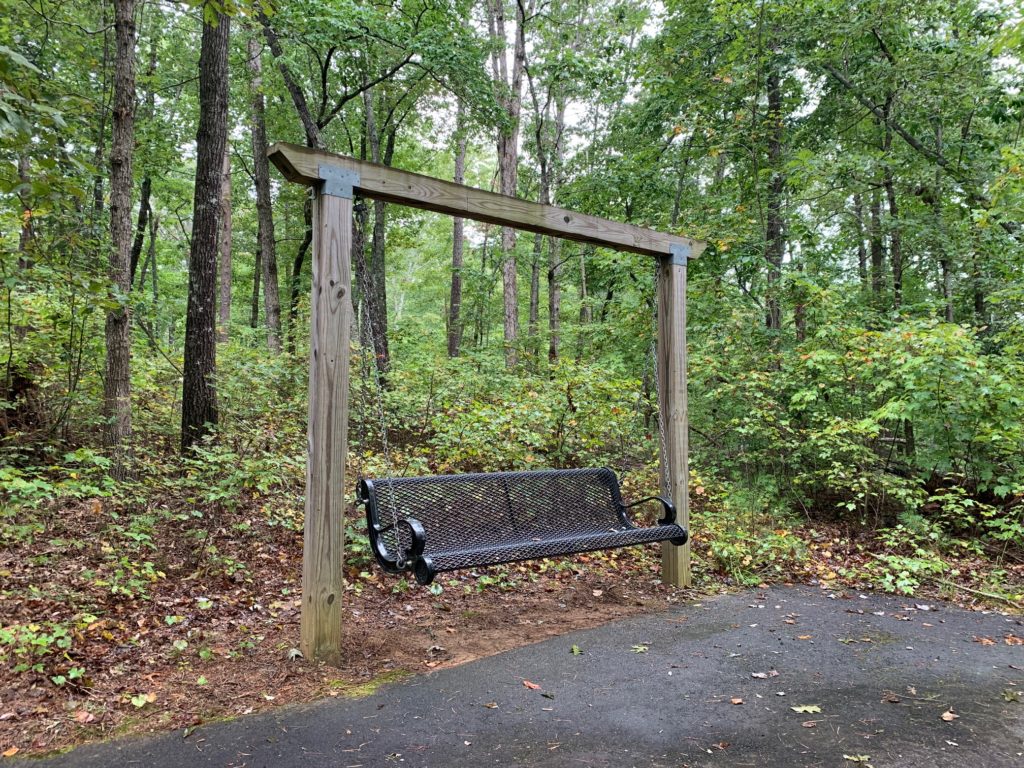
381, 417
663, 443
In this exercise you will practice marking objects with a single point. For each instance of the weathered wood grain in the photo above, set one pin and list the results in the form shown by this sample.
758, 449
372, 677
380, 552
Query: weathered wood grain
302, 165
324, 534
672, 358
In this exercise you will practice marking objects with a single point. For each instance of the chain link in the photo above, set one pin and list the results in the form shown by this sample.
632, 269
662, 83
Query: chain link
663, 443
382, 420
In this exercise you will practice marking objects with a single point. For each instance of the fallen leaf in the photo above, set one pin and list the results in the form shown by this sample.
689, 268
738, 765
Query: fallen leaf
804, 637
809, 723
983, 640
82, 716
857, 758
1013, 640
531, 686
807, 709
890, 698
1009, 696
11, 752
735, 700
949, 716
597, 592
640, 648
491, 705
8, 716
575, 650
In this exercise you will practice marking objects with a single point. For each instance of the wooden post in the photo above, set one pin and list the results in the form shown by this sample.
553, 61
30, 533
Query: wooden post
330, 327
672, 355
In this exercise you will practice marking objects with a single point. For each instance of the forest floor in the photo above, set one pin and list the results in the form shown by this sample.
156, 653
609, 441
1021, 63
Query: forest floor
140, 628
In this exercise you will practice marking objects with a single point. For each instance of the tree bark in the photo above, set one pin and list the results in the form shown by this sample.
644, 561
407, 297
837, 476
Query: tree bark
458, 243
510, 98
774, 244
117, 381
145, 208
224, 250
140, 228
533, 324
28, 234
296, 274
199, 394
375, 275
876, 246
862, 252
267, 247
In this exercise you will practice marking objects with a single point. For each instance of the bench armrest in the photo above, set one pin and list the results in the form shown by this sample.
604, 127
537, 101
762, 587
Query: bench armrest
669, 507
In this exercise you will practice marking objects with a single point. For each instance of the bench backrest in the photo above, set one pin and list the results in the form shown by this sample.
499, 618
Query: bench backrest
461, 512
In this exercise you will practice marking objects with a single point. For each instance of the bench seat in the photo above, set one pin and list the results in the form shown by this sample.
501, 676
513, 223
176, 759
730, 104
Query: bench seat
439, 523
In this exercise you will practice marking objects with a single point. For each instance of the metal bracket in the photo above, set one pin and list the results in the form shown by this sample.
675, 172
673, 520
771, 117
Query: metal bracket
338, 182
678, 254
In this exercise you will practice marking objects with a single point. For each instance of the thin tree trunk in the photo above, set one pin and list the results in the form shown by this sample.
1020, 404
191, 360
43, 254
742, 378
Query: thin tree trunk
895, 240
774, 245
458, 243
224, 249
554, 243
296, 274
533, 325
510, 97
145, 207
254, 298
199, 394
117, 406
140, 227
374, 281
267, 247
149, 267
941, 249
27, 235
862, 252
99, 153
876, 246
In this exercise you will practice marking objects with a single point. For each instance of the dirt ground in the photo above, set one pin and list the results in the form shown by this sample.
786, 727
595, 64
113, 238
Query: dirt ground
203, 645
169, 632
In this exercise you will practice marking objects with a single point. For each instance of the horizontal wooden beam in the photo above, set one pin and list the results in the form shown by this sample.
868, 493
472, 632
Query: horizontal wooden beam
302, 166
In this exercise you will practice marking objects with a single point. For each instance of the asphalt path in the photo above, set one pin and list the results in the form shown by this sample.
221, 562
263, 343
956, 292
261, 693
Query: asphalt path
881, 681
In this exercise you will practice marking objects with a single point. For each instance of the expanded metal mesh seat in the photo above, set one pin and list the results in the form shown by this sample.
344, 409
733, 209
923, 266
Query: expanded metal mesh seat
429, 525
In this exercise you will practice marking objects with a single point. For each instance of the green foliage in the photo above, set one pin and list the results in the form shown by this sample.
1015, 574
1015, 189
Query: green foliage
31, 646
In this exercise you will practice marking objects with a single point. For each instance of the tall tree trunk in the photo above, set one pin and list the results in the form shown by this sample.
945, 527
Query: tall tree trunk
254, 298
774, 245
295, 277
117, 406
862, 252
267, 247
199, 394
145, 208
941, 249
99, 152
876, 246
140, 227
533, 325
510, 97
27, 235
458, 242
149, 267
554, 243
375, 277
895, 240
224, 249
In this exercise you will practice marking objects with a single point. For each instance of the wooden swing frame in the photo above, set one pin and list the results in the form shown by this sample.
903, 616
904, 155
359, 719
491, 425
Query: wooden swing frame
335, 180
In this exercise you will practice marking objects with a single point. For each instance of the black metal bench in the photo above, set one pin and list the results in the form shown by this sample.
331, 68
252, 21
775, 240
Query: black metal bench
429, 525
